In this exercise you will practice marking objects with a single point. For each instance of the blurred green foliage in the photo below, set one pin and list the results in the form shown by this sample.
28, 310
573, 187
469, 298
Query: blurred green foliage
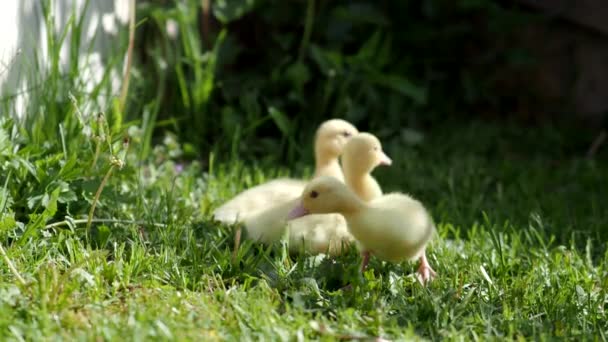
263, 73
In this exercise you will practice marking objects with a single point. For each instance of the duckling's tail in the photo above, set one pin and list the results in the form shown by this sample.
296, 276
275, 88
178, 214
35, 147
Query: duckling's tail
228, 216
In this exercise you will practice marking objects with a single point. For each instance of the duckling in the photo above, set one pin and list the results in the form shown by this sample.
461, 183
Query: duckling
329, 142
394, 227
328, 233
362, 154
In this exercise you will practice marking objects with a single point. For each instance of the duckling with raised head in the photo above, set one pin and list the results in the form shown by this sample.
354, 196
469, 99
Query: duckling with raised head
329, 142
328, 233
362, 154
393, 227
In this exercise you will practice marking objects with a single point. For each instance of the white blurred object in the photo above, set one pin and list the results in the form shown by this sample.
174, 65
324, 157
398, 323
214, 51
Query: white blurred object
23, 28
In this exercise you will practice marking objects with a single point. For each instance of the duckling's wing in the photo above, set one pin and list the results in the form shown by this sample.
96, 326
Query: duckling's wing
324, 233
404, 216
258, 198
268, 225
396, 227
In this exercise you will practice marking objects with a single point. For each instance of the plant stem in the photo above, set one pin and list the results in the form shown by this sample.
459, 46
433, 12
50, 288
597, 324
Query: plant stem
96, 156
11, 266
237, 243
97, 195
79, 221
206, 4
310, 18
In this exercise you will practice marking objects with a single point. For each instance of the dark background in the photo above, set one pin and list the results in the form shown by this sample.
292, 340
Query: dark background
284, 66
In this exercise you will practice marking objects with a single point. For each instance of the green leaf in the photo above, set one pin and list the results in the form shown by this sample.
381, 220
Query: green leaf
206, 85
117, 117
329, 62
369, 49
401, 85
66, 194
298, 74
5, 143
103, 234
33, 201
51, 203
5, 197
37, 221
7, 222
280, 119
69, 170
226, 11
249, 103
358, 13
18, 161
230, 119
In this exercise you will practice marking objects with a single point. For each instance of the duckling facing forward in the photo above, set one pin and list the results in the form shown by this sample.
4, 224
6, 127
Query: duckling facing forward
330, 139
328, 233
394, 227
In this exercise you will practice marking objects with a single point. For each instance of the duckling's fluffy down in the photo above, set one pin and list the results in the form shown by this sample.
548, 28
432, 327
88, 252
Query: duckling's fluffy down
259, 198
395, 227
326, 233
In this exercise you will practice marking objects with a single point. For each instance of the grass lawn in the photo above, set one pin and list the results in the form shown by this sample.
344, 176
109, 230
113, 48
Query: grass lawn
520, 254
107, 238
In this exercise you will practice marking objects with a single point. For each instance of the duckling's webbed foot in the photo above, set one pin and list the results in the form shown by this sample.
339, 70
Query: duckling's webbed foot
425, 272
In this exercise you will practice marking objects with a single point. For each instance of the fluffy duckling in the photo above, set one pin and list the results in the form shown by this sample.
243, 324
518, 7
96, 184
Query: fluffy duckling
329, 142
394, 227
362, 154
328, 233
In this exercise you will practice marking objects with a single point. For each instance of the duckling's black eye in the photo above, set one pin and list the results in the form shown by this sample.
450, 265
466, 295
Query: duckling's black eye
346, 134
314, 194
376, 148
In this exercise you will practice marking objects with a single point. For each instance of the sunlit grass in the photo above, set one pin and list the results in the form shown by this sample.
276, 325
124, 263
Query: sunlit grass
520, 251
507, 268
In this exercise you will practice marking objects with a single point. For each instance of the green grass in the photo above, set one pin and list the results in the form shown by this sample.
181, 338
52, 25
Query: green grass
523, 228
521, 251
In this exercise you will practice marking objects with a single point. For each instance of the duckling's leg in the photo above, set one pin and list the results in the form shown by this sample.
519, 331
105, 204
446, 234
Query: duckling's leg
365, 260
425, 272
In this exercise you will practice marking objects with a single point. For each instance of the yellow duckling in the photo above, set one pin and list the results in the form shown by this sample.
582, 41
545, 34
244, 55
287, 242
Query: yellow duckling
394, 227
362, 154
328, 233
329, 142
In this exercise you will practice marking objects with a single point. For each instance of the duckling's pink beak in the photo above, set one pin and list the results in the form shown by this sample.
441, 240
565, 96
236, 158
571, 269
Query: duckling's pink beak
385, 160
298, 211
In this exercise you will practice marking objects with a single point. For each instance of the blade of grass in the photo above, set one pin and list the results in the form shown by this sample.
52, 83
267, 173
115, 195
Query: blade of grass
127, 75
11, 266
